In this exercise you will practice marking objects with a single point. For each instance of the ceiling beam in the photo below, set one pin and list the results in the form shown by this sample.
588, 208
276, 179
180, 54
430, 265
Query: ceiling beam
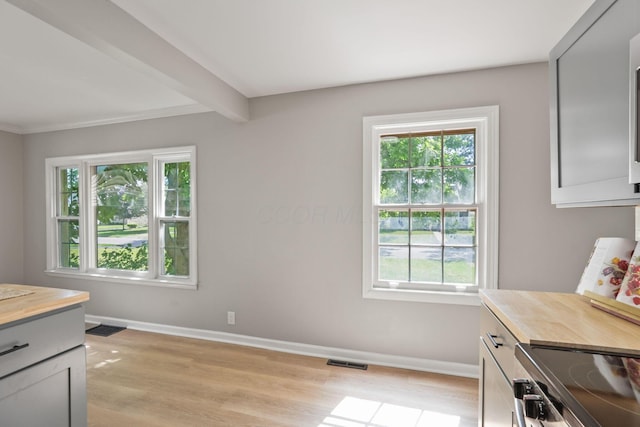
109, 29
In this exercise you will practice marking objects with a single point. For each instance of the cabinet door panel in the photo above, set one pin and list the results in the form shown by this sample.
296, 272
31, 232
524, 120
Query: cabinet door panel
496, 396
42, 403
594, 93
590, 107
51, 393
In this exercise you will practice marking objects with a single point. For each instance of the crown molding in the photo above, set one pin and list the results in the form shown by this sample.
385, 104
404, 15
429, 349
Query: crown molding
146, 115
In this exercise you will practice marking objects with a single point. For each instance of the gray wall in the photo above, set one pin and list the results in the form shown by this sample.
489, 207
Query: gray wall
11, 208
280, 215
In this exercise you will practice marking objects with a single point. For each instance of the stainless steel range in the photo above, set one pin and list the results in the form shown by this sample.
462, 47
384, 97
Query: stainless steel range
559, 387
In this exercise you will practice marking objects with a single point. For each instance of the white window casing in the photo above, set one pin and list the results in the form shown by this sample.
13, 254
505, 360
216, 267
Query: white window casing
485, 120
87, 268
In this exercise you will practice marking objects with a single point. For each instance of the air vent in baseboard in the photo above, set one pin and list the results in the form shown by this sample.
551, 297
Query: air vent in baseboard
345, 364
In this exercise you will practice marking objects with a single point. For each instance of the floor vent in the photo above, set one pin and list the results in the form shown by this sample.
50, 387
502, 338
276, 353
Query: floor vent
345, 364
104, 330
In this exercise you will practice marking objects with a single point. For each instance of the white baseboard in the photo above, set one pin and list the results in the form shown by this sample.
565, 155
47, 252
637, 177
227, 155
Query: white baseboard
418, 364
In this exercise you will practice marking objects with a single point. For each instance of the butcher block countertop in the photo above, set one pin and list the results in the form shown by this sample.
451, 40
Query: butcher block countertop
561, 320
19, 302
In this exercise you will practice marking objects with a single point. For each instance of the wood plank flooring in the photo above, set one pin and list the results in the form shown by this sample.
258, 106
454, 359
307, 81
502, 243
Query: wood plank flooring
144, 379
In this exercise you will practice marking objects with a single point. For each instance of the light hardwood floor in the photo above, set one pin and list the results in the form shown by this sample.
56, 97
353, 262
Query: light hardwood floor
143, 379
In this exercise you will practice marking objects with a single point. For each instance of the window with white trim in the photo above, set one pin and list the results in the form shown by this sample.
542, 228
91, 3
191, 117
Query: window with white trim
430, 205
125, 217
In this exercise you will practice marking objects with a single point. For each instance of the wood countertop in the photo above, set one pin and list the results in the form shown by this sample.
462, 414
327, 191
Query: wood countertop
40, 300
561, 320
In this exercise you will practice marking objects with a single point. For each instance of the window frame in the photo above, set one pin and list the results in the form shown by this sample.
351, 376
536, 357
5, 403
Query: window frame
155, 159
486, 122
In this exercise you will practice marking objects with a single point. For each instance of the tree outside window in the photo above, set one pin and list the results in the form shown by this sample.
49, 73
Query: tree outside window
124, 215
424, 235
430, 205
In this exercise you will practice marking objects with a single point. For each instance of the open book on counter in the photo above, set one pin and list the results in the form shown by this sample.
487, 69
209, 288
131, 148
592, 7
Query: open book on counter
612, 277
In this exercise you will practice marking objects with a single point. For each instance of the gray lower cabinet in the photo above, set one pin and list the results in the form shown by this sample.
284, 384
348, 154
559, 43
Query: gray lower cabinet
497, 358
43, 371
49, 394
496, 405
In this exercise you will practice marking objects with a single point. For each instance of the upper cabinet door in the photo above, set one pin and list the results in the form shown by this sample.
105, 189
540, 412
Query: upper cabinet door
589, 79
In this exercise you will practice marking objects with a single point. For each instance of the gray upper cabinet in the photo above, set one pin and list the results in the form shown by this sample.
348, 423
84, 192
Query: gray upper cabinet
589, 80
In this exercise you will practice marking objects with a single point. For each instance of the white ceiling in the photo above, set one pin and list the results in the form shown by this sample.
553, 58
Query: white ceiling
74, 63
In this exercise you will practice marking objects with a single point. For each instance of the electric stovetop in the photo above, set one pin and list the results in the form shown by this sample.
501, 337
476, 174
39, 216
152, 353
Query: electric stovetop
605, 385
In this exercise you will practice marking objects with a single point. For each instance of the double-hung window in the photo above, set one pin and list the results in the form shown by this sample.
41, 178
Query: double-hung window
125, 217
430, 205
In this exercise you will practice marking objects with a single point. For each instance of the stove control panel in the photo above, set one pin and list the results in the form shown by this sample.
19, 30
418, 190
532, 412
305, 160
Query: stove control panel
533, 407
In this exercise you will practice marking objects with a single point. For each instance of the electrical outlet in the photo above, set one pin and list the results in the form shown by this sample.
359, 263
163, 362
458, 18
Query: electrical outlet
231, 317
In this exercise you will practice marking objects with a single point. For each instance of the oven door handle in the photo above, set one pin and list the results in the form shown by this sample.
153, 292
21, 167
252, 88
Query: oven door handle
519, 405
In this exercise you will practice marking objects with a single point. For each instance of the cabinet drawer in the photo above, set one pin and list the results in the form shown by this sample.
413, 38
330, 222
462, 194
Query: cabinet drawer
32, 340
499, 341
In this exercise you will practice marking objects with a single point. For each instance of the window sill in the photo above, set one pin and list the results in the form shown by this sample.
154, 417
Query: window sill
164, 283
435, 297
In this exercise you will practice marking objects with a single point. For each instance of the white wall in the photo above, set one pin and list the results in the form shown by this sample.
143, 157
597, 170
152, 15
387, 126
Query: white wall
11, 209
280, 215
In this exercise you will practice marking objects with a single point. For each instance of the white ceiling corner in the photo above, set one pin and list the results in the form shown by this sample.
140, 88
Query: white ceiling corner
73, 63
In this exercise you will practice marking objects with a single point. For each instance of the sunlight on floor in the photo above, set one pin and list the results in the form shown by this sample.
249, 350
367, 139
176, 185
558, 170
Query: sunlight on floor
106, 361
354, 412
